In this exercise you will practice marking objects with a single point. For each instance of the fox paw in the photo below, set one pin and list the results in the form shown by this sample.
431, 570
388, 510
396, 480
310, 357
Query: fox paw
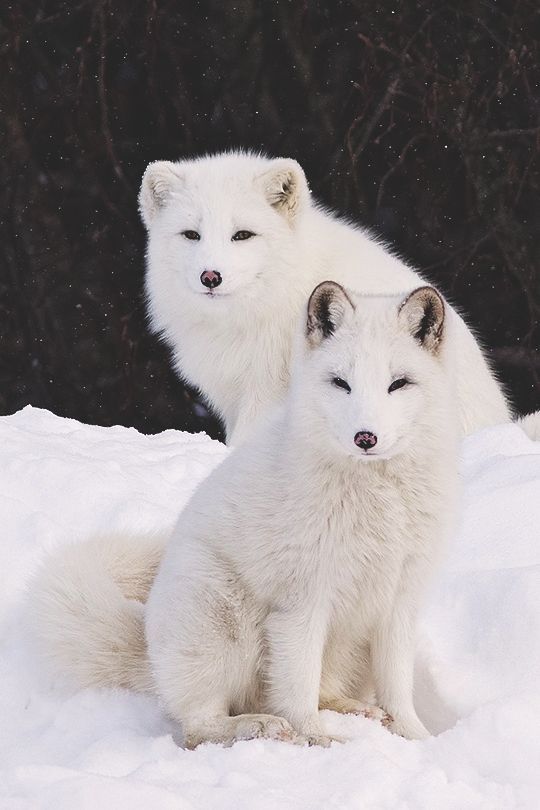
323, 740
347, 706
411, 729
264, 725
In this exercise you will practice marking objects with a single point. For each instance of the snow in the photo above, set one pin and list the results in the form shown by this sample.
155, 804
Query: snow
478, 665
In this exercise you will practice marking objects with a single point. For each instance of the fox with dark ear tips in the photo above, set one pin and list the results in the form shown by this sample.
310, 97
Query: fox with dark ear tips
315, 548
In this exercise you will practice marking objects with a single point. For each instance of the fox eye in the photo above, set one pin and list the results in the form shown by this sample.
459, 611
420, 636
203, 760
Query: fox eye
192, 235
339, 383
241, 236
400, 383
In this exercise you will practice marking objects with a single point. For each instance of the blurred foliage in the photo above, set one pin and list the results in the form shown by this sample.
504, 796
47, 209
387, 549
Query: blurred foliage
419, 119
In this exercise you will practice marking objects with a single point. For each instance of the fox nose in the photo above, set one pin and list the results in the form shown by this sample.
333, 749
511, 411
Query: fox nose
365, 439
211, 279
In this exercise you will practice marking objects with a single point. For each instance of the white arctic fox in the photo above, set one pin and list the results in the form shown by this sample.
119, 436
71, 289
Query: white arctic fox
235, 246
292, 580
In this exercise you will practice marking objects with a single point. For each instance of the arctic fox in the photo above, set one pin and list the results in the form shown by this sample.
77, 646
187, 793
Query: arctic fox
235, 246
292, 580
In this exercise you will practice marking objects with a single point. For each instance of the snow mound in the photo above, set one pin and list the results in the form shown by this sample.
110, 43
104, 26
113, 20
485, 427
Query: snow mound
478, 665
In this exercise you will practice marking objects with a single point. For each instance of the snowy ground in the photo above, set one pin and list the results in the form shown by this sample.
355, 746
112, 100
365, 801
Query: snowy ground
478, 664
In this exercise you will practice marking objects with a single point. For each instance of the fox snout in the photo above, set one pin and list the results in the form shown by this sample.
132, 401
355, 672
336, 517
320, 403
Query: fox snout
365, 439
211, 279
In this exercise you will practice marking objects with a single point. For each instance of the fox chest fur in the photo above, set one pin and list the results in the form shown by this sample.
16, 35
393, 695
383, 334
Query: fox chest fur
336, 542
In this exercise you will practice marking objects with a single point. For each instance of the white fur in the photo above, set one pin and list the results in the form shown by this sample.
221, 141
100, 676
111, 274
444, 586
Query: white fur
531, 425
86, 609
293, 577
235, 344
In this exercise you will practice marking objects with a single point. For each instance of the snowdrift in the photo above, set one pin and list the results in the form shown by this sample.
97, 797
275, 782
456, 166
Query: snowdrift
478, 663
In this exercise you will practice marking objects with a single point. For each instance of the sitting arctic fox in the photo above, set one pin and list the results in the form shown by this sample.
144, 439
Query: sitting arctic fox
235, 246
292, 580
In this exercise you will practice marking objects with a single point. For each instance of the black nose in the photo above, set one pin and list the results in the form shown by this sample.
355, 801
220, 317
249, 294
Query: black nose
211, 279
365, 439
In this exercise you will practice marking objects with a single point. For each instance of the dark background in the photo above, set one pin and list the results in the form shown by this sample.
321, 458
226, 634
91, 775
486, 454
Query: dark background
419, 119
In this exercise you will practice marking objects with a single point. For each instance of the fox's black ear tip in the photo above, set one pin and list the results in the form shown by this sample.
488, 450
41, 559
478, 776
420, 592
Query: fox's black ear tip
423, 311
325, 290
325, 312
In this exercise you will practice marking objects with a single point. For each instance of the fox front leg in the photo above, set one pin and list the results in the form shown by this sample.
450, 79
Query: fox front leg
392, 652
295, 641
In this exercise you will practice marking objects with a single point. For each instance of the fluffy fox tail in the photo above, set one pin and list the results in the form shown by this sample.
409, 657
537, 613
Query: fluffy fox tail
86, 609
531, 425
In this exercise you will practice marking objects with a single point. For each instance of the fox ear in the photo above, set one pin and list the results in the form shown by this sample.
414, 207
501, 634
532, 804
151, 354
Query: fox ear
285, 187
158, 181
422, 314
327, 306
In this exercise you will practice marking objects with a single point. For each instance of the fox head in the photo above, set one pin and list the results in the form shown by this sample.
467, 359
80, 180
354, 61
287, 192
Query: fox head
217, 224
371, 375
